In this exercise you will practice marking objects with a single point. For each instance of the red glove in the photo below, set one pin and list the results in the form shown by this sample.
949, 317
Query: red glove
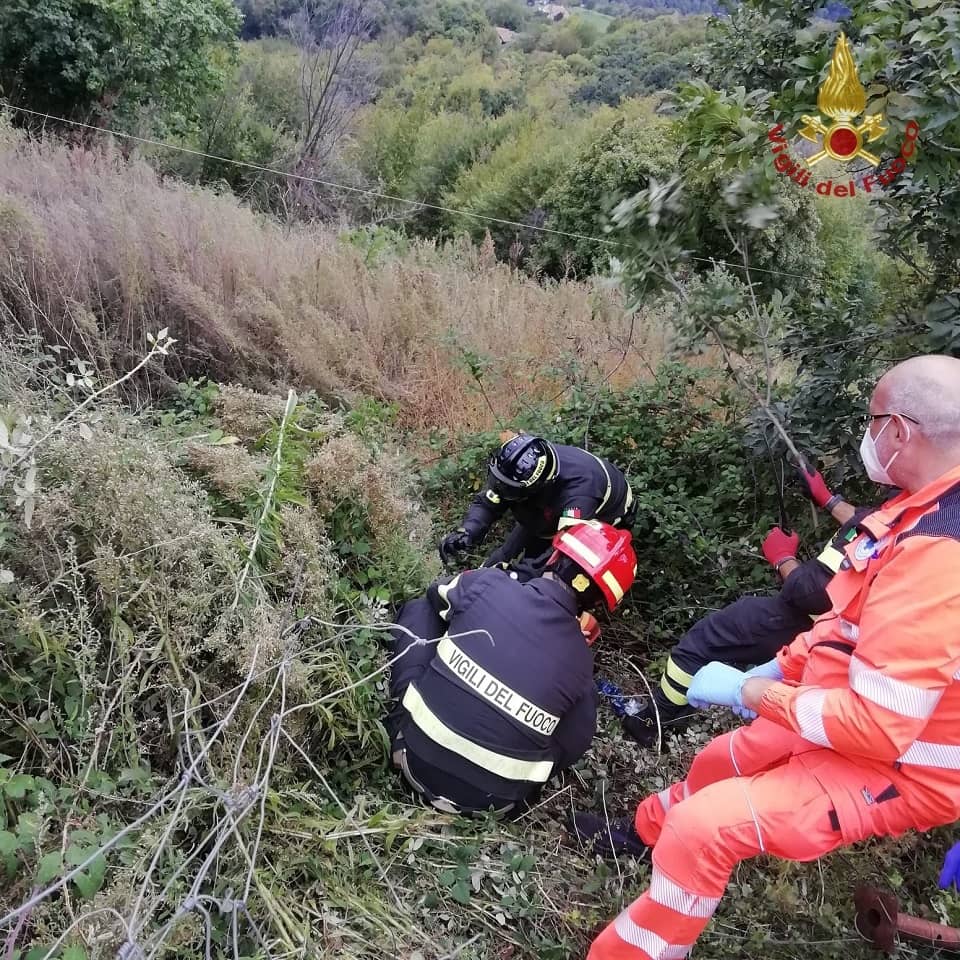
778, 546
590, 628
813, 485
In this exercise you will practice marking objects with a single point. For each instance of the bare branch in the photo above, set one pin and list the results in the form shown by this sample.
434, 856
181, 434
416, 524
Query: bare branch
334, 82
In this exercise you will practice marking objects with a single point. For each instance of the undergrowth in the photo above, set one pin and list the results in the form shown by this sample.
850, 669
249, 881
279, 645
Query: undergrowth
192, 678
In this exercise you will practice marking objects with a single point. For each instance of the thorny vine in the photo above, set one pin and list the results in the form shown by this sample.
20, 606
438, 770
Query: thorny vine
239, 807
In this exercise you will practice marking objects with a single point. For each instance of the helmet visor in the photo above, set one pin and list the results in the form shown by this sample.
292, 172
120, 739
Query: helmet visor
507, 492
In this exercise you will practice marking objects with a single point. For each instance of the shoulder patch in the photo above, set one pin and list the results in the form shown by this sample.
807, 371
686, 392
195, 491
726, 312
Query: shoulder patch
942, 522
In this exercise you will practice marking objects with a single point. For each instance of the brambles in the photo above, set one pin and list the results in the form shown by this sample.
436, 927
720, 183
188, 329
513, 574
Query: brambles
128, 660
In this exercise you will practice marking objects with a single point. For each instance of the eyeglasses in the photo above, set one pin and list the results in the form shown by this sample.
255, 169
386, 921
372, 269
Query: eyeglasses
902, 416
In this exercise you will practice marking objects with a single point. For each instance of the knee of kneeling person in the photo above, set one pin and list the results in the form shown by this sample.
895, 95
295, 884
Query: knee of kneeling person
715, 761
692, 849
688, 829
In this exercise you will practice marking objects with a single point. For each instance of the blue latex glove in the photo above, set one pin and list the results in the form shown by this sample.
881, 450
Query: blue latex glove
769, 670
719, 684
950, 874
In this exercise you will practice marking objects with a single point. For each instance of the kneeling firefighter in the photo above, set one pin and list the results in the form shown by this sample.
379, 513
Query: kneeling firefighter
752, 629
547, 487
506, 699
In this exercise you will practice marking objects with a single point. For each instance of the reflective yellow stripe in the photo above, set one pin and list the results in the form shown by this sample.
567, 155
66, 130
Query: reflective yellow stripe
611, 581
442, 591
668, 691
578, 548
508, 767
831, 558
606, 495
627, 504
675, 673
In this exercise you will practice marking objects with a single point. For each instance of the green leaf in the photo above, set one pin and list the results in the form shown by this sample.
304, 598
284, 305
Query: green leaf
50, 866
461, 891
91, 880
74, 953
8, 842
17, 787
38, 953
134, 775
28, 827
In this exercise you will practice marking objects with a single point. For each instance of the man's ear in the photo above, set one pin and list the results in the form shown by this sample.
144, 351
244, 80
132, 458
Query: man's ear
904, 428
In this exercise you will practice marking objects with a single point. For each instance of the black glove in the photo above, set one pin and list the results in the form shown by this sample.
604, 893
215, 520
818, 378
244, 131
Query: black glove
454, 543
641, 727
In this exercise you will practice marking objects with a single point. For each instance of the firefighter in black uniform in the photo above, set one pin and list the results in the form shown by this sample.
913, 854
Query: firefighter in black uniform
546, 487
506, 698
752, 629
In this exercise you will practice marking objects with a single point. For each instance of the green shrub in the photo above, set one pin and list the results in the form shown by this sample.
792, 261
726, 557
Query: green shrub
163, 561
704, 502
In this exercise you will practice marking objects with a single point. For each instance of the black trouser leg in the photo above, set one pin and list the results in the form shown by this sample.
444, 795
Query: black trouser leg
745, 633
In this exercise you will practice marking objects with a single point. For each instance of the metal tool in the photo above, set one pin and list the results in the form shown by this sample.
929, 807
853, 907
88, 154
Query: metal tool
879, 920
777, 469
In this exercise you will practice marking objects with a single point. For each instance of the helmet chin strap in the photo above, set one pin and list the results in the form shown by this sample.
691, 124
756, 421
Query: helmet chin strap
551, 575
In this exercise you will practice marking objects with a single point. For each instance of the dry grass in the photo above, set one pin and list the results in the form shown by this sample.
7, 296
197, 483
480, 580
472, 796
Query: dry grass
96, 251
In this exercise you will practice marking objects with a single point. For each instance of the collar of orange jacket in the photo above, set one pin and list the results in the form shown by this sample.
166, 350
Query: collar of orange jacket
881, 521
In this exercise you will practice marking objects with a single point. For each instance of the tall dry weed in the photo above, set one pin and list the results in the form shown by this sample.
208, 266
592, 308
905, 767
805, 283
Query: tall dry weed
97, 251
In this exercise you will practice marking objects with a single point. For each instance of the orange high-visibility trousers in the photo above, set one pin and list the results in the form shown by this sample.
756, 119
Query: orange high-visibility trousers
760, 789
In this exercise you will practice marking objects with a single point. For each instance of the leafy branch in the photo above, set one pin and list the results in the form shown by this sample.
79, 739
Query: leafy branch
653, 231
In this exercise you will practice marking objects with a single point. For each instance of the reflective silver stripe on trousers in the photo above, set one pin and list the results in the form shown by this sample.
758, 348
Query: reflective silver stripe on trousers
651, 943
944, 756
664, 796
890, 693
733, 759
669, 894
440, 803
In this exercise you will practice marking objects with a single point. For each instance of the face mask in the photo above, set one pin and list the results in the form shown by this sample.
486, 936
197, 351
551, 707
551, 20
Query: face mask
876, 471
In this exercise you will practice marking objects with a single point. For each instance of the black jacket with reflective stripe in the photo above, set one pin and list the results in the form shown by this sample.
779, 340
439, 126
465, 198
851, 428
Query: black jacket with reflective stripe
580, 485
522, 689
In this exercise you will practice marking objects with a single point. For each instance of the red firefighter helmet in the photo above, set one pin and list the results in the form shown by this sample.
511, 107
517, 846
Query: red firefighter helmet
605, 555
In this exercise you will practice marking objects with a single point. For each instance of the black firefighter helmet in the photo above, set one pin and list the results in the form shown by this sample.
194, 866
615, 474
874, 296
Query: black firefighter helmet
522, 466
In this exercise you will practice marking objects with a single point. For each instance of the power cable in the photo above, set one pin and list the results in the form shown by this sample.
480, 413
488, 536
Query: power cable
276, 172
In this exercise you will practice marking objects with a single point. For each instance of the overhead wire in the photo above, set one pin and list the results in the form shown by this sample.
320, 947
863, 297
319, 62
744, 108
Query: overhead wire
366, 192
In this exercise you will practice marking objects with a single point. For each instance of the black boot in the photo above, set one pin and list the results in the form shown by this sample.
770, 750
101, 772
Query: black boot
609, 837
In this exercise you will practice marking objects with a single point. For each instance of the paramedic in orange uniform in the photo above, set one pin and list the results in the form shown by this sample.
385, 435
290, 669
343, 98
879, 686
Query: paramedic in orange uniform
858, 733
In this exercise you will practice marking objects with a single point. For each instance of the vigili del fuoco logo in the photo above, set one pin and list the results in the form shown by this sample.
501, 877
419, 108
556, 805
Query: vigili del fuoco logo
842, 99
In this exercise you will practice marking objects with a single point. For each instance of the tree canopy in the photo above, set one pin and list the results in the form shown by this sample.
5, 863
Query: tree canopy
115, 58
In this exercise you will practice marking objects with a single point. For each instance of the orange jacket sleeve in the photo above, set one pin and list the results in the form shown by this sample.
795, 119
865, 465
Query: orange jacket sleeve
907, 653
793, 657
